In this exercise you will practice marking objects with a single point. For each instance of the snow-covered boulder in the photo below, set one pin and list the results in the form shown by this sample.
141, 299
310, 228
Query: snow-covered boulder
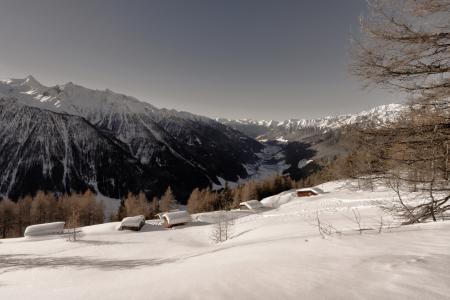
44, 229
175, 218
132, 223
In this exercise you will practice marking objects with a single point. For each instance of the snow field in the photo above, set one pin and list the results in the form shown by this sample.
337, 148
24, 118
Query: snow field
276, 254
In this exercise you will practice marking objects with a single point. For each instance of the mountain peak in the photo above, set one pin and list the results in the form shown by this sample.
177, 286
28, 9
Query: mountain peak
30, 78
32, 82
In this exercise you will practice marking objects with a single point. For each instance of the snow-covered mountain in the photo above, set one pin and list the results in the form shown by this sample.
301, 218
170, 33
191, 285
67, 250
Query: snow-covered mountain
297, 129
44, 150
68, 137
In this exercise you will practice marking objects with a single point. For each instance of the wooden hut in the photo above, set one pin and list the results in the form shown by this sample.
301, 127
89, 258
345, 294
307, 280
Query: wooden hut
132, 223
307, 192
175, 218
251, 205
44, 229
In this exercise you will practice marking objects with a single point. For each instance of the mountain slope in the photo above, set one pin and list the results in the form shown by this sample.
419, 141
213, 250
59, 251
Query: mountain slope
173, 148
72, 132
44, 150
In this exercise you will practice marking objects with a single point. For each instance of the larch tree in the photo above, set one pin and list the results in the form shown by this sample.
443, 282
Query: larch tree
237, 196
23, 213
40, 208
193, 204
249, 191
8, 213
137, 205
405, 47
155, 206
168, 201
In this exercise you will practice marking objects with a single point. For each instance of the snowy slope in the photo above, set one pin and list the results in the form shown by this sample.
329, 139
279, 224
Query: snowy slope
277, 254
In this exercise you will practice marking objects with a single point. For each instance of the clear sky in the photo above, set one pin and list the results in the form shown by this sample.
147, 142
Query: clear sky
259, 59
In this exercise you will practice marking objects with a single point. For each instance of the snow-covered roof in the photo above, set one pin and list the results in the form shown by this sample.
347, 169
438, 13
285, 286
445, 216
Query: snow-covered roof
177, 217
252, 204
315, 190
135, 221
45, 229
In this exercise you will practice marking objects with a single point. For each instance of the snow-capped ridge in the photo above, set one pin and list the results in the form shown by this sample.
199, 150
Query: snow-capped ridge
380, 114
71, 98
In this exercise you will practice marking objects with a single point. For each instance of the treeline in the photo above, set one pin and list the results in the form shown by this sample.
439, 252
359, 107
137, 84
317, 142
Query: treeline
84, 210
203, 200
76, 210
135, 205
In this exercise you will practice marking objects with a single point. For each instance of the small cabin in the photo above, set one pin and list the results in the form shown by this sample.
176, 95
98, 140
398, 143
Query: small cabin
251, 205
175, 218
44, 229
307, 192
132, 223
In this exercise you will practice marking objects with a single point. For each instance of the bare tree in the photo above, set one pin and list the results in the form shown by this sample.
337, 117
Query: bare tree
73, 224
222, 228
357, 218
381, 225
405, 47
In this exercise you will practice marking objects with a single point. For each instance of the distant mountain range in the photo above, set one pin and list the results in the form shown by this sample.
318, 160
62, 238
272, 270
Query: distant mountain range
298, 129
69, 138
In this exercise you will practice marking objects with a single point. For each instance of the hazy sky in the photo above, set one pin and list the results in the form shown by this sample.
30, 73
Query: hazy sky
259, 59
